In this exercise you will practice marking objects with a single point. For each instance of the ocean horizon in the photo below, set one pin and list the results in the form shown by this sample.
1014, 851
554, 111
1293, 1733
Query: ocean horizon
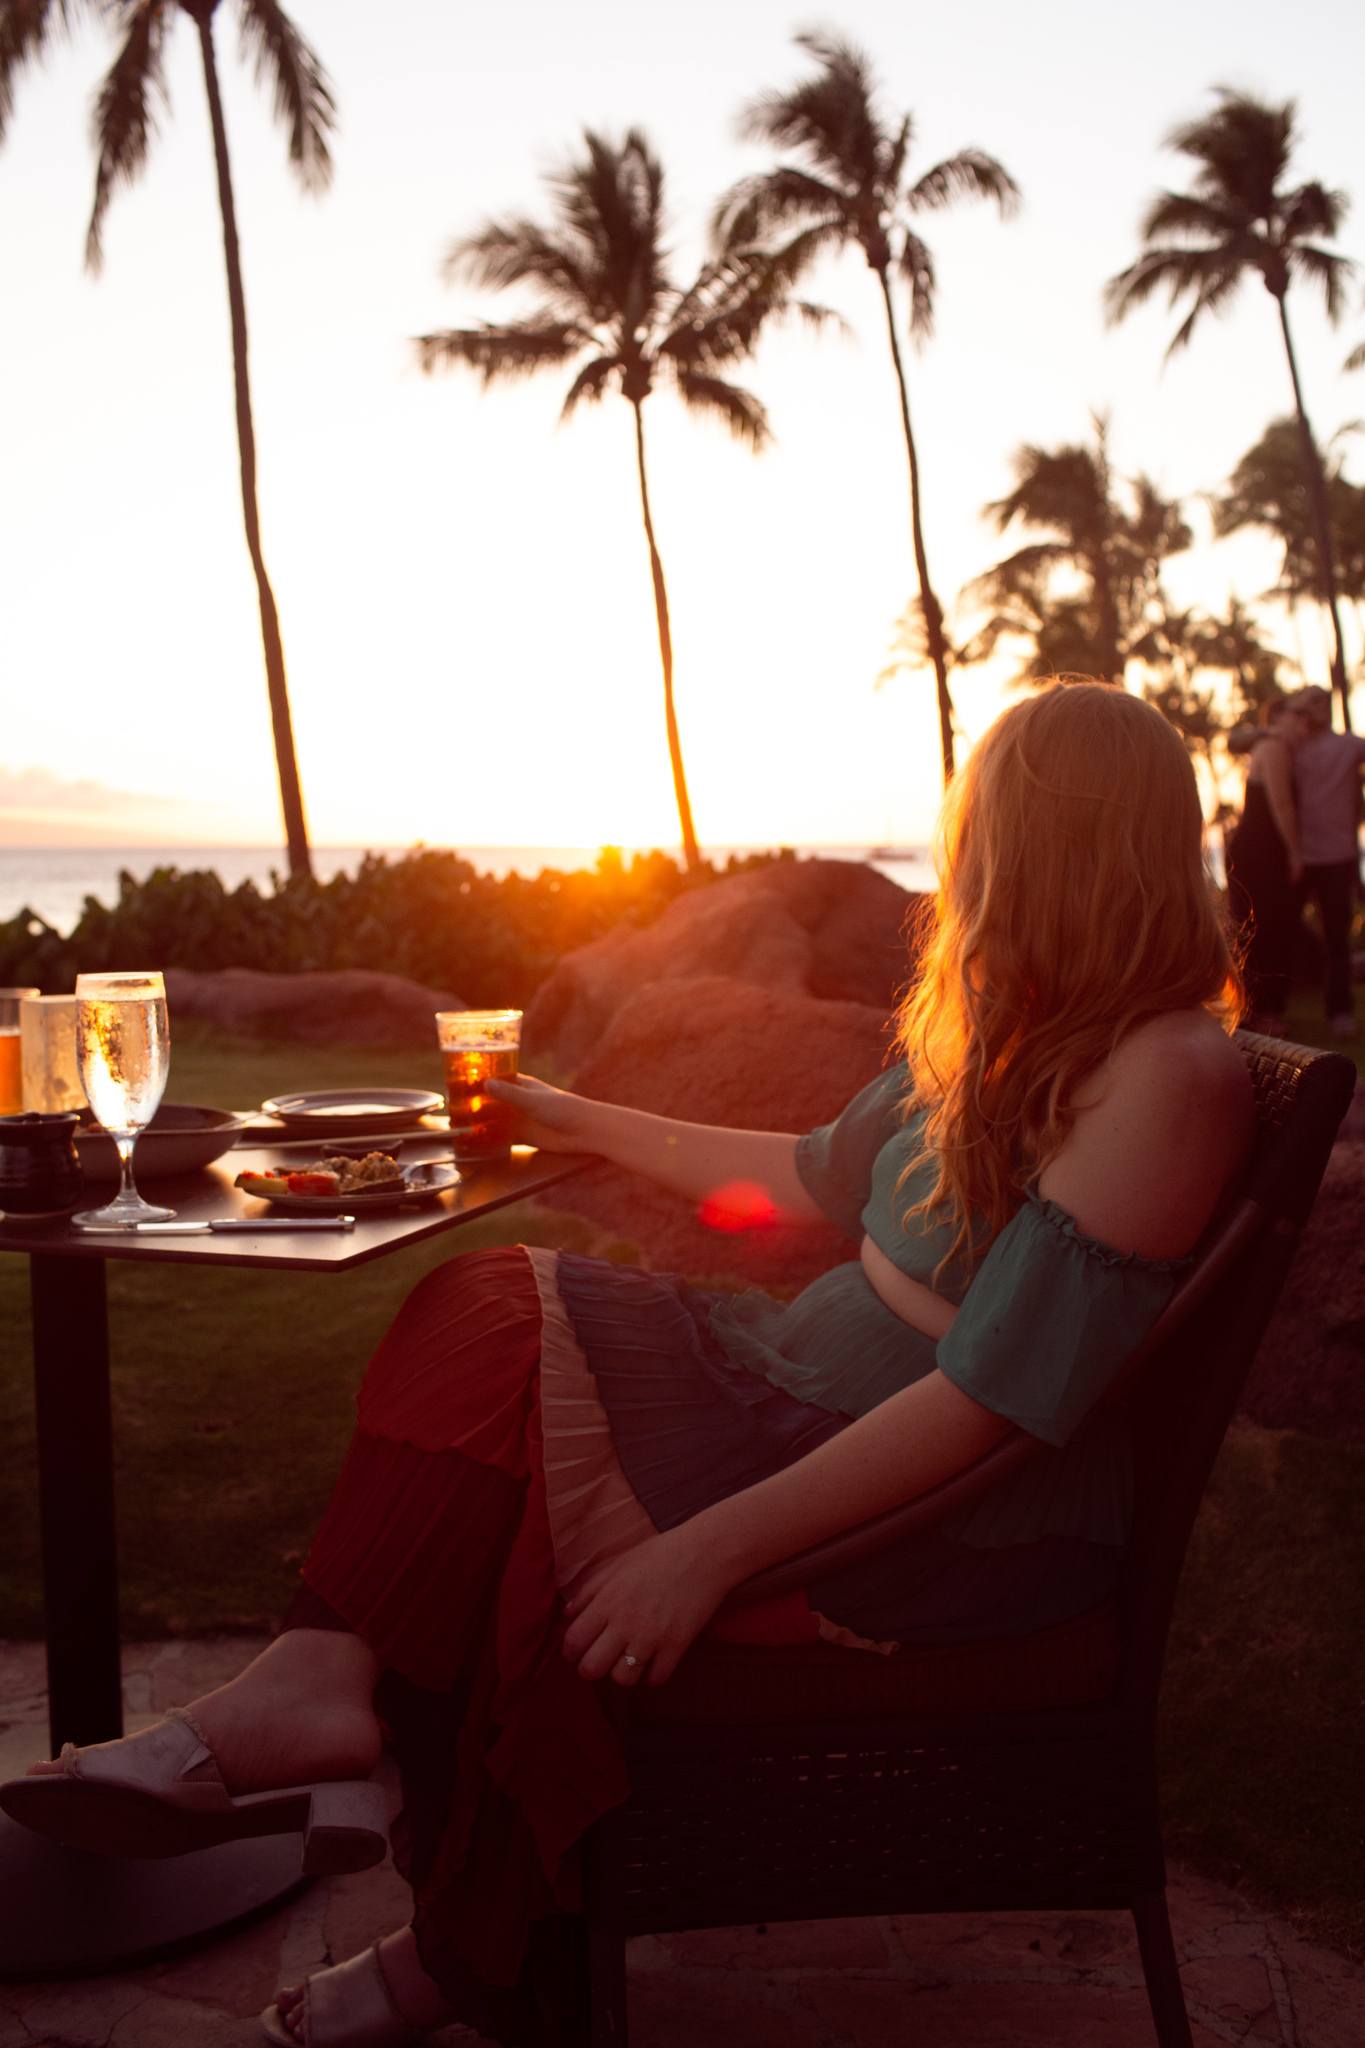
53, 882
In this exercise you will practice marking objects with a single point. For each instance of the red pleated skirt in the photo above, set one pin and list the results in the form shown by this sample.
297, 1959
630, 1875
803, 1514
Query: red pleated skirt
481, 1480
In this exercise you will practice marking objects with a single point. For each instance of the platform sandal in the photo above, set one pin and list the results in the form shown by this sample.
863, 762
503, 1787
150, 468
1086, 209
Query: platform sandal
162, 1794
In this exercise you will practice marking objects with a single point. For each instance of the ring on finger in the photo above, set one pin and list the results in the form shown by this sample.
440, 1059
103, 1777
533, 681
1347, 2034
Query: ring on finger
629, 1660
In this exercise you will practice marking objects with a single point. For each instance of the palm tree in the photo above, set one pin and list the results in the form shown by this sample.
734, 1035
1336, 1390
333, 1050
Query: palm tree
1088, 589
125, 120
1242, 219
604, 300
850, 189
1268, 490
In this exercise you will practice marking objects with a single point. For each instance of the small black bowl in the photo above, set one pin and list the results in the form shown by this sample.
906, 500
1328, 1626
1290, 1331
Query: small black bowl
40, 1175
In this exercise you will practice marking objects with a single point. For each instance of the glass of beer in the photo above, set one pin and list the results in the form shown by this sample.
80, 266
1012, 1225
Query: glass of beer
11, 1081
123, 1048
478, 1046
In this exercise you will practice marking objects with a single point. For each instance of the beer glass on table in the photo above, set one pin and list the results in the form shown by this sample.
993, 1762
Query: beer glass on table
11, 1083
478, 1046
123, 1047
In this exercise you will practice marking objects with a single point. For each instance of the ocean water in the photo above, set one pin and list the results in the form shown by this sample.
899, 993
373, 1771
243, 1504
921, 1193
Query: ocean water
54, 881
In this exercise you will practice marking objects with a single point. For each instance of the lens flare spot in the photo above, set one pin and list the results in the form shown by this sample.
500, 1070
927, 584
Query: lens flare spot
737, 1205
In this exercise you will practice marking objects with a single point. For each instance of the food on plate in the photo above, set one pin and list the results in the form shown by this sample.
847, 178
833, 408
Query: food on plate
327, 1178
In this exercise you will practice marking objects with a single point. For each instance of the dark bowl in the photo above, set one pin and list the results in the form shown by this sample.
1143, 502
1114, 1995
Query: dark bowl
181, 1138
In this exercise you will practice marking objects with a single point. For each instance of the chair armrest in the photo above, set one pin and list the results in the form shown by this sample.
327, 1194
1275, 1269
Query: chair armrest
915, 1517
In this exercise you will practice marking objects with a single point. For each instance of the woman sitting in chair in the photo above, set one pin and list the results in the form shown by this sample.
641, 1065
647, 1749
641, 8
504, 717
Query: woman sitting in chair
562, 1466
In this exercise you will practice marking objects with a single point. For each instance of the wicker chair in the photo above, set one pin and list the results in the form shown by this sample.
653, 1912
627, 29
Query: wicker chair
813, 1783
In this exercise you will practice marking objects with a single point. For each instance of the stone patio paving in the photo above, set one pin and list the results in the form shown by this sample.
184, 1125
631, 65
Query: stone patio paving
946, 1981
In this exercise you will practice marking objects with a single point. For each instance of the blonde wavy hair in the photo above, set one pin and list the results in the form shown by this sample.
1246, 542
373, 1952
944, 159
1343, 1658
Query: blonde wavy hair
1073, 902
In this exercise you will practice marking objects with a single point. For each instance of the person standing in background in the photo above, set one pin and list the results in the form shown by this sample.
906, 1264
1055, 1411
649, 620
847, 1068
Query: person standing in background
1264, 869
1327, 786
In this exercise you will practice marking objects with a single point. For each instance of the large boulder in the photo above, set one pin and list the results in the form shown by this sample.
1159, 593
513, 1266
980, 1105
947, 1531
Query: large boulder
717, 1050
352, 1007
1310, 1371
834, 930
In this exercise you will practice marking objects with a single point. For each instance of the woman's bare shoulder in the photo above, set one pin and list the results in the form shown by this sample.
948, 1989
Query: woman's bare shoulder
1160, 1130
1182, 1066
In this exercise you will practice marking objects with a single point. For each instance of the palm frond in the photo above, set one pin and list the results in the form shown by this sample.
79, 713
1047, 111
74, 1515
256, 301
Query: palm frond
1324, 268
1356, 359
1194, 215
611, 201
897, 150
303, 93
759, 207
1242, 148
739, 410
27, 27
1021, 575
1211, 297
916, 266
124, 118
590, 385
512, 252
501, 354
831, 117
1167, 267
971, 174
1312, 210
718, 320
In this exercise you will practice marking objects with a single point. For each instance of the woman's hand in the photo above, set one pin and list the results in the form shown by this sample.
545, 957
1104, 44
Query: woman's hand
550, 1118
649, 1605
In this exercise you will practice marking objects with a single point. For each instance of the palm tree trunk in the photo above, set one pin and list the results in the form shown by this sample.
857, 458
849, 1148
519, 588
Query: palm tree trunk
691, 851
291, 796
1102, 581
929, 604
1322, 518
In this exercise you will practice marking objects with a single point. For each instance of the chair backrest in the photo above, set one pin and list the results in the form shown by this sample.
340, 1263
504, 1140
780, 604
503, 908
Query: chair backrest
1182, 1390
1183, 1382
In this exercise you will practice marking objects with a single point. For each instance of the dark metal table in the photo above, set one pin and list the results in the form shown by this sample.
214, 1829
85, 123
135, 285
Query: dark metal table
66, 1911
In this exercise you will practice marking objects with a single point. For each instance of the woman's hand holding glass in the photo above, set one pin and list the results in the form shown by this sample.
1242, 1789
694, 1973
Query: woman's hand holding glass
552, 1119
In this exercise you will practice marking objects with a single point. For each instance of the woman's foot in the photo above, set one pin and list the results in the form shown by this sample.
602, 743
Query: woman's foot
301, 1713
414, 1996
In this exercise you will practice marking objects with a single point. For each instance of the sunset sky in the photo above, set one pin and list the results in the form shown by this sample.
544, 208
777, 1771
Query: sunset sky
463, 587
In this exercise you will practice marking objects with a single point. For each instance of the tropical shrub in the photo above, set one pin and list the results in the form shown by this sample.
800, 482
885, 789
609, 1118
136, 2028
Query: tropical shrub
428, 915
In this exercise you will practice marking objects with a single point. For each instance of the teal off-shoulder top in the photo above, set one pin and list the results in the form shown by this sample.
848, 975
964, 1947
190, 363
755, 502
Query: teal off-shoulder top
1045, 1321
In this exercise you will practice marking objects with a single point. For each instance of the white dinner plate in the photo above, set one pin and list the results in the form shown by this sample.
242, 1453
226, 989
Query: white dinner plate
333, 1112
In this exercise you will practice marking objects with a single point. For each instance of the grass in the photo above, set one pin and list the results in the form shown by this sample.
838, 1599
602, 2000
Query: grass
233, 1400
1306, 1025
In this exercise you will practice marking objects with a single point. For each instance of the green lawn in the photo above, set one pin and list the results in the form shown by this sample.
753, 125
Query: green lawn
233, 1403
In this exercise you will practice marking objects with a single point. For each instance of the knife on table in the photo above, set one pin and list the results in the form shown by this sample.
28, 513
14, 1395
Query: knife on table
237, 1224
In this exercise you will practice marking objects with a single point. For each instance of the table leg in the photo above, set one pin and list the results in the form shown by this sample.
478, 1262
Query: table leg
76, 1498
67, 1913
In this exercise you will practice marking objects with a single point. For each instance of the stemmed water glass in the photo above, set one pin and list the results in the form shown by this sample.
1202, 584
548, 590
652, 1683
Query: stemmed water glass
123, 1049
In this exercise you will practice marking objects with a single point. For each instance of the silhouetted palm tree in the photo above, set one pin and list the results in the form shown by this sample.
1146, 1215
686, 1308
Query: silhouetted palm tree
1087, 590
124, 127
850, 189
1233, 645
1241, 219
1269, 491
602, 291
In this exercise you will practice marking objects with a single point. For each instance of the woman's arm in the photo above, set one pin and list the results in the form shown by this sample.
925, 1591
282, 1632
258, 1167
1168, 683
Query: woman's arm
1160, 1129
1277, 772
653, 1601
691, 1159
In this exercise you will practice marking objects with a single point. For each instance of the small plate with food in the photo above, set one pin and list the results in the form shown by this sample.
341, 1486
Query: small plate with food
336, 1183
